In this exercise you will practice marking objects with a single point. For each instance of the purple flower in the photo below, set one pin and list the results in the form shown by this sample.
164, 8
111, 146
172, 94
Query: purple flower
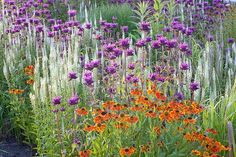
72, 13
183, 47
89, 66
125, 29
131, 66
152, 76
194, 86
95, 63
135, 79
130, 52
161, 79
55, 111
171, 43
156, 44
210, 38
88, 26
129, 77
111, 90
145, 26
88, 78
230, 40
56, 100
109, 47
162, 40
62, 109
72, 75
124, 43
111, 69
73, 100
184, 66
140, 43
179, 96
117, 52
148, 39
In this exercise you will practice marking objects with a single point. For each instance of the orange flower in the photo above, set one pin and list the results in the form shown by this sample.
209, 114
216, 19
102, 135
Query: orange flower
100, 127
81, 111
190, 120
89, 128
29, 70
136, 92
213, 131
122, 117
127, 151
157, 130
108, 104
30, 81
132, 119
98, 119
136, 108
97, 111
196, 152
121, 126
85, 153
151, 114
160, 96
116, 107
145, 148
16, 91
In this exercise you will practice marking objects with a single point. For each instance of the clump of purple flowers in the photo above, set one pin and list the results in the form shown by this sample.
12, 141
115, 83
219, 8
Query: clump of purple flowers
73, 100
88, 78
56, 100
194, 86
72, 75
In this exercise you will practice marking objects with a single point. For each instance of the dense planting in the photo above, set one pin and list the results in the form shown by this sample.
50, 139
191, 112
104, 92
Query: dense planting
119, 78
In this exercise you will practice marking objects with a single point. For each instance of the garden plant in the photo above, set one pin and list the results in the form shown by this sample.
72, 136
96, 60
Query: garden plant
110, 78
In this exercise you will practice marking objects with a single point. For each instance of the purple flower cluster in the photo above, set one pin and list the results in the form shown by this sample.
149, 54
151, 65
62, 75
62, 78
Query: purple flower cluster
88, 78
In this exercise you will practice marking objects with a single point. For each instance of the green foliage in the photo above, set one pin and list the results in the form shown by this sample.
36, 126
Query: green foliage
59, 11
123, 13
218, 113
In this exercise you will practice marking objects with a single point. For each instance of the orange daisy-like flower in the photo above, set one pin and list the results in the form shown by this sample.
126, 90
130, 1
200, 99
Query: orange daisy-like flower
29, 70
151, 114
213, 131
16, 91
190, 120
165, 116
85, 153
117, 107
160, 96
121, 126
145, 148
196, 152
132, 119
122, 117
127, 151
89, 128
136, 92
100, 127
108, 104
30, 81
98, 119
136, 108
82, 111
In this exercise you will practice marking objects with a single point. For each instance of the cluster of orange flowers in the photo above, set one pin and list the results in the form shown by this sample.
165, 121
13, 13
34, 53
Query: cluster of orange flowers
29, 71
210, 145
155, 106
